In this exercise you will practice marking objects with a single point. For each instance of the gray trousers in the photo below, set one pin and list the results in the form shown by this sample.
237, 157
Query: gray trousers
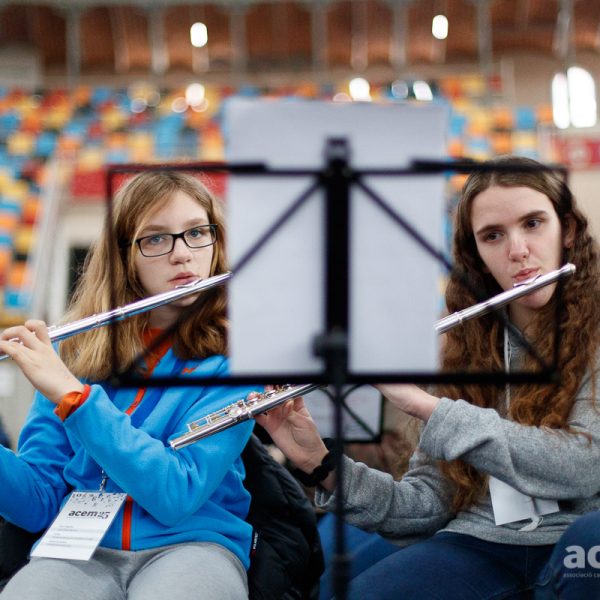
194, 571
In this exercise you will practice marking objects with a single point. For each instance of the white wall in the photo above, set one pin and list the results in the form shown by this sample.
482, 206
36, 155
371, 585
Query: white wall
79, 225
585, 185
16, 394
20, 67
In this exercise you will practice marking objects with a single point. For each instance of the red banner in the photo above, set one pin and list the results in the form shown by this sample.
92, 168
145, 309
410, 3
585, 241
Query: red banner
578, 152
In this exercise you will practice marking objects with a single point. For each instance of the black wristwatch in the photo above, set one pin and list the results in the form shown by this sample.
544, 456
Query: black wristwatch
319, 473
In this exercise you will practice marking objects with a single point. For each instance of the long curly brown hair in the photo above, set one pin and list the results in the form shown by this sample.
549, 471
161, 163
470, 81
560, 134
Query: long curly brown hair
478, 344
89, 355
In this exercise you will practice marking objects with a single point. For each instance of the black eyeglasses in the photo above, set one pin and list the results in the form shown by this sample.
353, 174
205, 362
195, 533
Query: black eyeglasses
158, 244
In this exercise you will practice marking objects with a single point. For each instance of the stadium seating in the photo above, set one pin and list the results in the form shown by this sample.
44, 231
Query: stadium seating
89, 127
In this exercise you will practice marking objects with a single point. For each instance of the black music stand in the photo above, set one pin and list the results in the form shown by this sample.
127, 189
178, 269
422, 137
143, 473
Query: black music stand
337, 177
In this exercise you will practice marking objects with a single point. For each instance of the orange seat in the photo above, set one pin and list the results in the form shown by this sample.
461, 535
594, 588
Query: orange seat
8, 221
17, 274
24, 238
31, 210
5, 260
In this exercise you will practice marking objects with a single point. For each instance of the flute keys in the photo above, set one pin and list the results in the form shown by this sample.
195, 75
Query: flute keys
236, 409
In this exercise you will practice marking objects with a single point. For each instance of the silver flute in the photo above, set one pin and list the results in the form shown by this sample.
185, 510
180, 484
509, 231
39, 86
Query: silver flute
246, 409
237, 412
61, 332
495, 302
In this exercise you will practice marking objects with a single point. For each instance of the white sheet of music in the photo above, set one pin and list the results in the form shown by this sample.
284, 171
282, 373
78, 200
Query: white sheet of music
277, 300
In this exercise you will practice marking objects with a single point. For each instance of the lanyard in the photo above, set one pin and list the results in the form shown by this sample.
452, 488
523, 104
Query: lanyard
503, 496
507, 357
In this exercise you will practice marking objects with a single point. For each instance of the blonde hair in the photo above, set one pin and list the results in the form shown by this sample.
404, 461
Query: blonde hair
89, 355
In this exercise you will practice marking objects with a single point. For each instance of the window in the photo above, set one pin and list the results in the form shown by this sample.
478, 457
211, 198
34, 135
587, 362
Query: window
574, 99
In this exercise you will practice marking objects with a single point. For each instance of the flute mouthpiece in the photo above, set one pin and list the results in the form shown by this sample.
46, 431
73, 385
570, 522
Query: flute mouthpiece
527, 281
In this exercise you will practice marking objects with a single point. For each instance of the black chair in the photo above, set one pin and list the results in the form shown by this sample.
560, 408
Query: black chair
286, 559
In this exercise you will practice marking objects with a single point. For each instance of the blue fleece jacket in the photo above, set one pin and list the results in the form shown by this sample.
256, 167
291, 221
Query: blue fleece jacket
195, 494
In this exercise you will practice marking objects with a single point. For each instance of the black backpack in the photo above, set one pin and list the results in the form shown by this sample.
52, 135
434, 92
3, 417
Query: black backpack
286, 559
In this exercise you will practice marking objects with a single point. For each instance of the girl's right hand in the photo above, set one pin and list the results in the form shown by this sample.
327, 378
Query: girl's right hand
30, 347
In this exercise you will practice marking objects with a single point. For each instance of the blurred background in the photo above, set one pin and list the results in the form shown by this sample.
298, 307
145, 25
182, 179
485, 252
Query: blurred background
84, 84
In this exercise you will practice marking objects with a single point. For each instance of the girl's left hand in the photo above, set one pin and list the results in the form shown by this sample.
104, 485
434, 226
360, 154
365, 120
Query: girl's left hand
29, 345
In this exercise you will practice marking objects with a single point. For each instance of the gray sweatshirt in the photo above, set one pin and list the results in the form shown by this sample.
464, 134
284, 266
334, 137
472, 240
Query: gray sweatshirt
536, 461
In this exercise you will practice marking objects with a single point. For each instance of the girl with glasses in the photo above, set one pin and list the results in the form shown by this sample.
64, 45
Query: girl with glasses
180, 531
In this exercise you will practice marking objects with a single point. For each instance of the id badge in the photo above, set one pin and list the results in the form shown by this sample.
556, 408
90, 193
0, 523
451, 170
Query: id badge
511, 505
80, 526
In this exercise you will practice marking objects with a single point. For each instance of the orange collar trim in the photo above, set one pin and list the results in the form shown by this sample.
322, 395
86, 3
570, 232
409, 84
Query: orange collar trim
149, 336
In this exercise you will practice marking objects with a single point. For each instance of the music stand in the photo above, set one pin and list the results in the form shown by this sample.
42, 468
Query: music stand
337, 176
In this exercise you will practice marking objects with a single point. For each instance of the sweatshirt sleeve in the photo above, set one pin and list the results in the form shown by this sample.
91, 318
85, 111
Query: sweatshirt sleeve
170, 485
537, 461
417, 505
33, 486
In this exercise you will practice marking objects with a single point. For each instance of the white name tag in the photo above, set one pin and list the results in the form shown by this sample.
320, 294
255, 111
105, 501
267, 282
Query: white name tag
80, 526
511, 505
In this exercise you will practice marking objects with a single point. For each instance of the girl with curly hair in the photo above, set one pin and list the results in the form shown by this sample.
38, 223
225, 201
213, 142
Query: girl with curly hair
498, 486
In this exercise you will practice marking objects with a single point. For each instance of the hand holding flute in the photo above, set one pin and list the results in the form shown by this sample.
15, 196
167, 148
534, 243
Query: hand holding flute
295, 433
29, 345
